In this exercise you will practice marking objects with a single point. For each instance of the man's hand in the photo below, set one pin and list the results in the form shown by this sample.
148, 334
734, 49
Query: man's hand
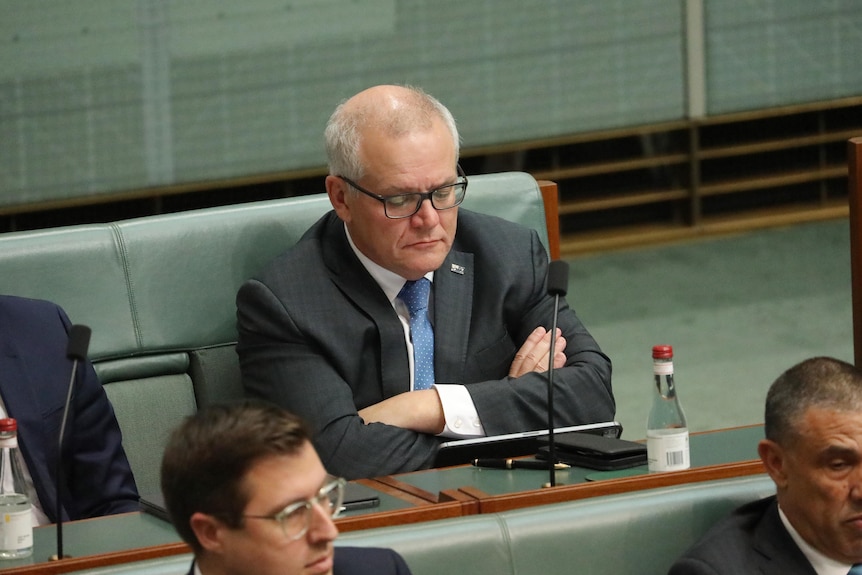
420, 411
533, 355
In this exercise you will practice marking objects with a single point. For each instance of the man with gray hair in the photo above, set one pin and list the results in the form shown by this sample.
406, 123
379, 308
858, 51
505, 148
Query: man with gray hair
386, 330
813, 453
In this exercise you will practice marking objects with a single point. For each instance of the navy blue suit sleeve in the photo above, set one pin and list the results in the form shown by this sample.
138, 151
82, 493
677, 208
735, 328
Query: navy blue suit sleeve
368, 561
97, 477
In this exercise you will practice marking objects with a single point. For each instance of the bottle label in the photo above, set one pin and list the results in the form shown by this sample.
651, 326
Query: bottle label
667, 449
662, 368
9, 441
16, 530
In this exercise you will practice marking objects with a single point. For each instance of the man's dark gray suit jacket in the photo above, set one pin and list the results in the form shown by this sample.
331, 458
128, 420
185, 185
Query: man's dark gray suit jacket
751, 540
318, 336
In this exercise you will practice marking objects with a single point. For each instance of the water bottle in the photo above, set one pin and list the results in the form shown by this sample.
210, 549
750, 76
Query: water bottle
667, 431
16, 527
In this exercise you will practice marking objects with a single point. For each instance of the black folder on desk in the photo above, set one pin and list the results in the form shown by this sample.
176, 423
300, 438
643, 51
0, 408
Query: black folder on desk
356, 496
595, 451
513, 444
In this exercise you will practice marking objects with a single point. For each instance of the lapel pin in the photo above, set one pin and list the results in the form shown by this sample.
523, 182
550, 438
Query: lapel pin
457, 269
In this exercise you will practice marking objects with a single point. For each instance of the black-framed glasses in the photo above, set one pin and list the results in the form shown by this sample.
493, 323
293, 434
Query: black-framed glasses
405, 205
295, 519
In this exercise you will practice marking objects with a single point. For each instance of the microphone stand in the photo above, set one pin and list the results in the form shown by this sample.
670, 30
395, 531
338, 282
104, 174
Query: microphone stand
76, 350
59, 554
558, 279
552, 456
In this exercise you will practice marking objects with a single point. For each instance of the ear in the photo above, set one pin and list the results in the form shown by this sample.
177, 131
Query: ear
774, 460
208, 531
337, 190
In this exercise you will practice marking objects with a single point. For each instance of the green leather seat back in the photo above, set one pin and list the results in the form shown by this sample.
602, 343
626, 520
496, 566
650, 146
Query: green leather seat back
79, 268
477, 545
641, 532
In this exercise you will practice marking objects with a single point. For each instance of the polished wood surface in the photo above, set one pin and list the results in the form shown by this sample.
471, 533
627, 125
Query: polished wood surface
551, 197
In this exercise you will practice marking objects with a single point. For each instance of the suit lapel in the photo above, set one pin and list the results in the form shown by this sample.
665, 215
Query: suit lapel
780, 553
453, 307
357, 285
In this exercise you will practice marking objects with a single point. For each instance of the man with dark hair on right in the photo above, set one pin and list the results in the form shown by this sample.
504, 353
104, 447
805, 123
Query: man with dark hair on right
813, 453
246, 490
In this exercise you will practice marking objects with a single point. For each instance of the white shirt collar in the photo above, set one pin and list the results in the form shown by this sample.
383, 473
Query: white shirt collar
390, 282
822, 564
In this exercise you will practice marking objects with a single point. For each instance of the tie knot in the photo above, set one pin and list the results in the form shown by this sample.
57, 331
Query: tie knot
414, 294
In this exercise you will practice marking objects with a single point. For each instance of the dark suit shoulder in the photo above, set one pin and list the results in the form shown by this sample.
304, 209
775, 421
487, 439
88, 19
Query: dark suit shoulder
750, 539
302, 268
368, 560
21, 309
33, 326
477, 231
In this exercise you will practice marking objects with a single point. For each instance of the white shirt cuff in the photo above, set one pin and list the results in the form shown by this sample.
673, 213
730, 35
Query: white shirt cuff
462, 420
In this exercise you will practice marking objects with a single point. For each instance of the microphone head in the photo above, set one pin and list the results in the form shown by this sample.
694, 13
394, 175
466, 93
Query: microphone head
79, 342
558, 277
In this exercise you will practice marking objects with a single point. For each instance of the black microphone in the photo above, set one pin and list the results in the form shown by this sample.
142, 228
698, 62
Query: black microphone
558, 282
76, 350
558, 277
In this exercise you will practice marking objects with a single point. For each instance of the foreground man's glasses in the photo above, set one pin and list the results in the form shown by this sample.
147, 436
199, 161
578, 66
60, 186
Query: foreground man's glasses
295, 519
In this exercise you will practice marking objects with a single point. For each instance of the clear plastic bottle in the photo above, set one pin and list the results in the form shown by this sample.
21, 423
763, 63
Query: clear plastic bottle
16, 527
667, 431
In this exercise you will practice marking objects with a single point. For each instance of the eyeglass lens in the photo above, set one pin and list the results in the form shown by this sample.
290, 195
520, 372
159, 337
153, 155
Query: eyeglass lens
296, 523
444, 197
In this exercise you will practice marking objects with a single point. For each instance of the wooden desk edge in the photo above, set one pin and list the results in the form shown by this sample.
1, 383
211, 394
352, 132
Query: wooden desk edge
100, 560
407, 516
562, 493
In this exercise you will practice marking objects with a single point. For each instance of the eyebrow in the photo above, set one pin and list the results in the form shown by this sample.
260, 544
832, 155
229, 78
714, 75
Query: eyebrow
401, 192
833, 451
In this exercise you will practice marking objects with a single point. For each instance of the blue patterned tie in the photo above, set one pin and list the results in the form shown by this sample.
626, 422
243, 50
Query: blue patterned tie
415, 296
855, 570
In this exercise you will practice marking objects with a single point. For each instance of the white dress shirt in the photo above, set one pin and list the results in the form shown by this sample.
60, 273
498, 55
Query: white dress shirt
822, 564
459, 411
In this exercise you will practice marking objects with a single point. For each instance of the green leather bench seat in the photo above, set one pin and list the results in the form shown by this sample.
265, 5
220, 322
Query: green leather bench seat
159, 294
638, 533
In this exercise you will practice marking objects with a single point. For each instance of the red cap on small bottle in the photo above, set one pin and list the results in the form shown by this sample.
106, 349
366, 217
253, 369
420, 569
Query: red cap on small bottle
8, 424
662, 352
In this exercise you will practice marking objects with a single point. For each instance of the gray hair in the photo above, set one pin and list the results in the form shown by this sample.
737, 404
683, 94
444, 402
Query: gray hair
343, 132
821, 382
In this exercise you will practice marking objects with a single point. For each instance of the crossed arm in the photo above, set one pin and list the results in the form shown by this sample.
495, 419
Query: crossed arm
421, 411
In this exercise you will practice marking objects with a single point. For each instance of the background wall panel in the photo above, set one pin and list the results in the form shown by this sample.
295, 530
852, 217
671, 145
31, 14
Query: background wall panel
764, 53
105, 96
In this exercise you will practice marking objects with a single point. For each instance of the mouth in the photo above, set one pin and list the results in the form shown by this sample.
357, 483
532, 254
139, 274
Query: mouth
424, 244
321, 565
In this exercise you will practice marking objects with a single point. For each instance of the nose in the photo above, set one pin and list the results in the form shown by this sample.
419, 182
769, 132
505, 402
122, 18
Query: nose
322, 527
856, 485
427, 216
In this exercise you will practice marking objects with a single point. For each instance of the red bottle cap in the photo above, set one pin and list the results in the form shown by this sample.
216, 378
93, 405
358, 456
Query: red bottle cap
662, 352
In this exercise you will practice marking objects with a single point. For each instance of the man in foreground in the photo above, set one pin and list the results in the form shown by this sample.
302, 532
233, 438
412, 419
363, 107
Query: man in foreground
245, 489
